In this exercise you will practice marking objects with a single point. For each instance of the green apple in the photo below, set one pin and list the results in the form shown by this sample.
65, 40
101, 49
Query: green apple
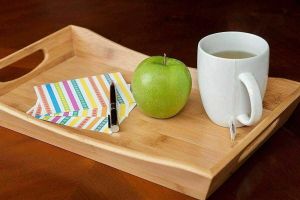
161, 86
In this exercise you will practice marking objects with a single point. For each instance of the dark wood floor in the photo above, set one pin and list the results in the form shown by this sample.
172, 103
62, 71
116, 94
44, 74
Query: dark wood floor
30, 169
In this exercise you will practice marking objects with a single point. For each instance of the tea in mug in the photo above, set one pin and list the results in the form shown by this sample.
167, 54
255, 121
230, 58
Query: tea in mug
234, 54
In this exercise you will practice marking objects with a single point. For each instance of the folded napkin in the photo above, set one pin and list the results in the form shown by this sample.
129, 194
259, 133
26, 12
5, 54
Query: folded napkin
82, 103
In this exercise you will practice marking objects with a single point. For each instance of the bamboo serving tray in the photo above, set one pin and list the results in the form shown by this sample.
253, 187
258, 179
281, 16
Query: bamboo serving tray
187, 153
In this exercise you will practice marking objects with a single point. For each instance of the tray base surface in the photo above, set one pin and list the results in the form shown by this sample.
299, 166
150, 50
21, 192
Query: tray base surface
187, 153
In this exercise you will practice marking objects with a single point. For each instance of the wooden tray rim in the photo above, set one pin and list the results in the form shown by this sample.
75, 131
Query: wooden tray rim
209, 173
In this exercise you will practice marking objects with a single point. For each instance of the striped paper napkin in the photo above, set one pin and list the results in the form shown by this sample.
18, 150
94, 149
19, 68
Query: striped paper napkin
82, 103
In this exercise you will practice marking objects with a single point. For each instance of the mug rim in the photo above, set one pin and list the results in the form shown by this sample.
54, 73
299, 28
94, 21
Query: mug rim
234, 32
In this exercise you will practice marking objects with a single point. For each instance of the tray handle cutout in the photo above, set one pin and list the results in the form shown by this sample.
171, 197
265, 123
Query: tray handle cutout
22, 56
22, 66
56, 48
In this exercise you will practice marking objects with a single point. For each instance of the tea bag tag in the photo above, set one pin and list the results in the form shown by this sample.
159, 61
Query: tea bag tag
232, 130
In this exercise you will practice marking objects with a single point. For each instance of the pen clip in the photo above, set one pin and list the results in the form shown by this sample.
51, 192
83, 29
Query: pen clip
109, 121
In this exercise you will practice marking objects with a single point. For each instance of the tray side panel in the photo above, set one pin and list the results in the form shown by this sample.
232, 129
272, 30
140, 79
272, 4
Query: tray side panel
234, 164
95, 47
177, 179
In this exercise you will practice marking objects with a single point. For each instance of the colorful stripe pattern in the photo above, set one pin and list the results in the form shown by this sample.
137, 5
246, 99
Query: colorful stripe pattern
82, 103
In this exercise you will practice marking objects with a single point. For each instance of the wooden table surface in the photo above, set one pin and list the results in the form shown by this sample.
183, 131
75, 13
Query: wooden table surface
30, 169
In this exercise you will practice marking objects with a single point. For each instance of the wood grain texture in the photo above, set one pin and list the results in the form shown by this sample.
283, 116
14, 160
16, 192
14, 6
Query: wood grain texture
187, 153
283, 63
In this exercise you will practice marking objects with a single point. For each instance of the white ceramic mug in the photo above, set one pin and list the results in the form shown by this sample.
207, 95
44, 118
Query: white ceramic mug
232, 89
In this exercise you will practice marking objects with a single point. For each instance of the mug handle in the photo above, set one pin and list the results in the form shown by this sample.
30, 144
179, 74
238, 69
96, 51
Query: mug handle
255, 100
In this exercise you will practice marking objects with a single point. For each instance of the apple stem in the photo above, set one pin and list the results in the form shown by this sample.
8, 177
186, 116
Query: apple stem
165, 59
